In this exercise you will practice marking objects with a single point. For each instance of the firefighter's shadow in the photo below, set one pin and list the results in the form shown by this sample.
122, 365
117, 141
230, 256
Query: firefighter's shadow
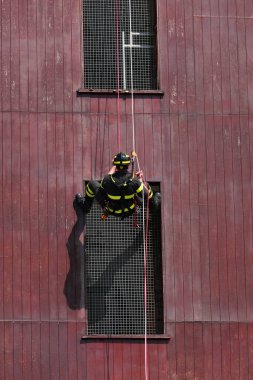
79, 294
74, 286
97, 292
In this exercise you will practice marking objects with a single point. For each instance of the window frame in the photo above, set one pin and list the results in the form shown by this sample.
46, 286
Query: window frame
85, 91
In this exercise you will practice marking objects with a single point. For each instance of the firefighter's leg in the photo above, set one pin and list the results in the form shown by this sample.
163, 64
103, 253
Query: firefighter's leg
90, 193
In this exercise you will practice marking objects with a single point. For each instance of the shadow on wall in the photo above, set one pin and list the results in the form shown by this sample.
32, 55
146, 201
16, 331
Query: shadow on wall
74, 287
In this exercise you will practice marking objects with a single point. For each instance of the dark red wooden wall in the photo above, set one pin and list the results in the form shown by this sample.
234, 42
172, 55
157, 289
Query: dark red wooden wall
197, 140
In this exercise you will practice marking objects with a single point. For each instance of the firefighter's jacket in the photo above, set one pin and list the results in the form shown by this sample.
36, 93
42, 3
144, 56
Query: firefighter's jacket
119, 192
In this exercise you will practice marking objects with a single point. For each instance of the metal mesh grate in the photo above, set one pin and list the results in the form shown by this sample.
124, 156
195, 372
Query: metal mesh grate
115, 283
100, 62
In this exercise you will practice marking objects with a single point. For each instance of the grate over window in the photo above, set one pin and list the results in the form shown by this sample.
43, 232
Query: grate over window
100, 44
115, 275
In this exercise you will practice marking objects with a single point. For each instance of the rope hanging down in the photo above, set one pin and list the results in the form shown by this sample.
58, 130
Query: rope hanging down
118, 73
134, 156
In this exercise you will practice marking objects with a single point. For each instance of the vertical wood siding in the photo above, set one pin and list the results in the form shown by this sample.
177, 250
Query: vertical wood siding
197, 140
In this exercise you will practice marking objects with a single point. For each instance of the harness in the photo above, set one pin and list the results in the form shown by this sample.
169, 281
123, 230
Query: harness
120, 199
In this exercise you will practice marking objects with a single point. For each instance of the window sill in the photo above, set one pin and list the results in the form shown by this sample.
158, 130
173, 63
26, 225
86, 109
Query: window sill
91, 91
126, 338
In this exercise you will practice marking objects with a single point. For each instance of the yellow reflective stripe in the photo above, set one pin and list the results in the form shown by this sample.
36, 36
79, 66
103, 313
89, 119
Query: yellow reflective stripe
89, 195
116, 162
132, 206
125, 162
140, 188
114, 197
110, 209
89, 190
129, 196
118, 211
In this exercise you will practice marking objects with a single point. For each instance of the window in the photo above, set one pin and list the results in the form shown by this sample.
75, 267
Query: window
115, 275
101, 49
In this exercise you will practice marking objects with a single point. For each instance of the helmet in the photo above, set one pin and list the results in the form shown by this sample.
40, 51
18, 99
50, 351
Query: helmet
121, 160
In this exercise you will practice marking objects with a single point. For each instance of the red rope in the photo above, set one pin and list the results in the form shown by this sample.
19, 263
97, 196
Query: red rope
118, 74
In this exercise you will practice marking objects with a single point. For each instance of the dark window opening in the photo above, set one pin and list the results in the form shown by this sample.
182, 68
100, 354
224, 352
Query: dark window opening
100, 44
115, 274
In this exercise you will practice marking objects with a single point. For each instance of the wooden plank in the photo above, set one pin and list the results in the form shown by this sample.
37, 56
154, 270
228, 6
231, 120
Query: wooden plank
199, 57
250, 348
172, 359
244, 349
62, 257
67, 53
208, 51
27, 350
246, 139
216, 58
180, 350
45, 351
8, 351
189, 57
242, 62
234, 359
162, 360
221, 218
2, 351
208, 347
177, 219
199, 352
249, 47
239, 243
226, 354
181, 57
34, 212
25, 217
225, 60
163, 53
172, 60
86, 146
216, 351
18, 351
136, 369
230, 222
6, 53
15, 57
36, 351
100, 361
59, 56
189, 350
212, 220
157, 166
117, 361
7, 252
16, 210
71, 347
233, 57
203, 219
186, 218
50, 56
41, 55
43, 222
126, 360
63, 351
194, 215
23, 59
91, 363
32, 54
76, 56
53, 197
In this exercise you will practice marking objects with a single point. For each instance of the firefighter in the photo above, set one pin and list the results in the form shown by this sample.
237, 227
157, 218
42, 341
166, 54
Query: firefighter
119, 192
